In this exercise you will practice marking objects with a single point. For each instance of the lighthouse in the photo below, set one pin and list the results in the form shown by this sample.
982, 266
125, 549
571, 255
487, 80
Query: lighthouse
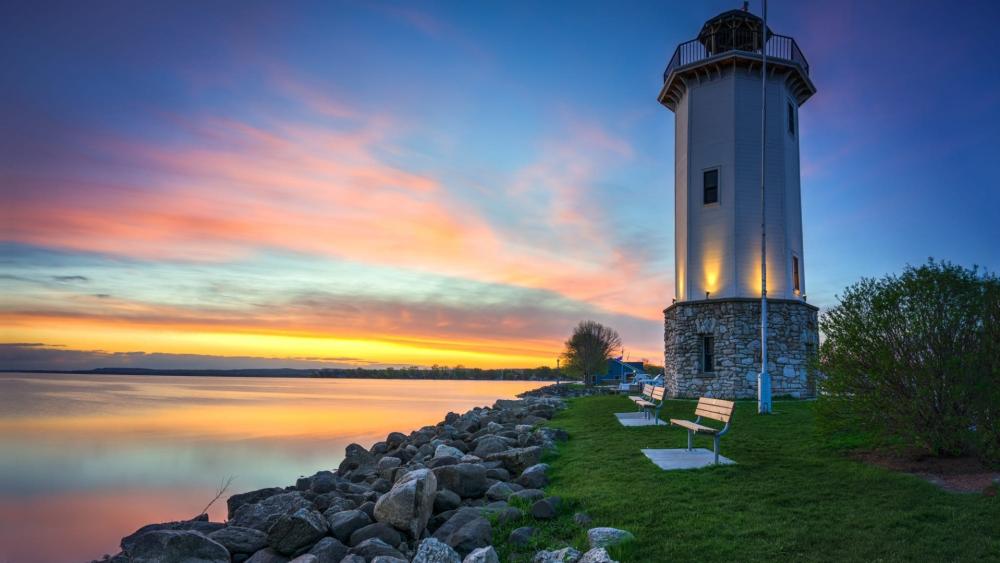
723, 204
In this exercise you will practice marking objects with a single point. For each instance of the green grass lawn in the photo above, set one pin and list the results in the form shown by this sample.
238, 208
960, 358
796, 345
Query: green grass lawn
793, 494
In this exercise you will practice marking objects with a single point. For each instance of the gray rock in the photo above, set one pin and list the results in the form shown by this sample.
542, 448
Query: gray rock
446, 500
356, 457
607, 537
409, 504
353, 558
528, 495
369, 509
432, 550
343, 524
199, 524
329, 550
263, 514
468, 480
490, 445
596, 555
521, 537
388, 559
499, 491
323, 482
534, 477
374, 547
381, 485
466, 530
482, 555
564, 555
236, 501
292, 532
305, 558
448, 451
176, 546
546, 509
582, 519
508, 515
237, 539
379, 530
517, 460
267, 555
498, 473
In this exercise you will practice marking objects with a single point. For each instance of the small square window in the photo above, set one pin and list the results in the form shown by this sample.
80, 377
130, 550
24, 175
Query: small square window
710, 182
791, 118
707, 353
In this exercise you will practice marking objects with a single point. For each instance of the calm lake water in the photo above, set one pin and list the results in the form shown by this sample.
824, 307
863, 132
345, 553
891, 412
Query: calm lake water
87, 459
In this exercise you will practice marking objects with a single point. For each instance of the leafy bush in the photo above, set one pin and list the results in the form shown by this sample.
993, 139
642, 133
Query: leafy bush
914, 359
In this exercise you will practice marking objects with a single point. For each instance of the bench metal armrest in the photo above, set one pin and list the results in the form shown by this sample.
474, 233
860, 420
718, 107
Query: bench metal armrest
722, 432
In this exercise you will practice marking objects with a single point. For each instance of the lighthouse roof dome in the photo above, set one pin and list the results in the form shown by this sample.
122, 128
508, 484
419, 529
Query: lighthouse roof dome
732, 21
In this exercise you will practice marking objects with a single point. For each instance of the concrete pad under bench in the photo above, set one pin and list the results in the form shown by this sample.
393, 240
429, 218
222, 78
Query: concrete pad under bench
637, 419
683, 458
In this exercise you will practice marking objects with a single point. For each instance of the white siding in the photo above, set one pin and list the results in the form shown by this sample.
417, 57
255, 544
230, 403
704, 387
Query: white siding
718, 246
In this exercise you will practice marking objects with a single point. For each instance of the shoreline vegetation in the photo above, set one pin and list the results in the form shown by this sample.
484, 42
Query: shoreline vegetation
435, 372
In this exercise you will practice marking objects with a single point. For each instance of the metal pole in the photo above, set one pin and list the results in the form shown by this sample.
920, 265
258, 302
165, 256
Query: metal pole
763, 378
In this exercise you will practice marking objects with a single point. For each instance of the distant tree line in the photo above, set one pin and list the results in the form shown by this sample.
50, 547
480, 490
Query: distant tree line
543, 373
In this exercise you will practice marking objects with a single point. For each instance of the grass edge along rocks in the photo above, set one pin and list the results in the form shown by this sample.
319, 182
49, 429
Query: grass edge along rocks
447, 493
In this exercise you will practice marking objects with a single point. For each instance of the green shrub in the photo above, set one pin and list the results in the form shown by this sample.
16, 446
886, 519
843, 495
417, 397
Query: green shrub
913, 358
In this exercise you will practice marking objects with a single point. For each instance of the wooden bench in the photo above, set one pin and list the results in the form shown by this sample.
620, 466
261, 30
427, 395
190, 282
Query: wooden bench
646, 390
716, 409
652, 399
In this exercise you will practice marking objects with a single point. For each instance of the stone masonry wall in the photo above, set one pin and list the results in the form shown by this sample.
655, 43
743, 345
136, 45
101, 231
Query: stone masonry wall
735, 323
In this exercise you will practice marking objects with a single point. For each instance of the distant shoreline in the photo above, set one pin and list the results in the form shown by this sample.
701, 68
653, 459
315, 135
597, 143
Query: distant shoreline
448, 374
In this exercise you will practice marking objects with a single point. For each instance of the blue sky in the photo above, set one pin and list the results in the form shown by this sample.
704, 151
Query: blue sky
438, 182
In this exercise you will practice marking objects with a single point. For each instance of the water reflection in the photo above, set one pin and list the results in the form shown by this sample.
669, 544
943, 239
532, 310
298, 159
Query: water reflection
87, 459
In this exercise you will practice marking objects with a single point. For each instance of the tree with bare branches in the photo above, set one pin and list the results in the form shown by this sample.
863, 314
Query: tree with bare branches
589, 348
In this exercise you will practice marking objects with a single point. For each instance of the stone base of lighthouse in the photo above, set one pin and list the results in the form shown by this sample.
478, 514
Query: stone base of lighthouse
734, 325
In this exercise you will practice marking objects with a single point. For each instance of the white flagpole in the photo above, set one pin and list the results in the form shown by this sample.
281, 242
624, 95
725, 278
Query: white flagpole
763, 378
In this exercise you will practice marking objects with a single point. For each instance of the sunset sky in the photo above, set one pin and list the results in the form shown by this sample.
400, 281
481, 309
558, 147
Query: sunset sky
244, 184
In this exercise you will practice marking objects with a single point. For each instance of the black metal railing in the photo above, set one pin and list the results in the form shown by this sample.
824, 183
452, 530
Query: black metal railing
778, 47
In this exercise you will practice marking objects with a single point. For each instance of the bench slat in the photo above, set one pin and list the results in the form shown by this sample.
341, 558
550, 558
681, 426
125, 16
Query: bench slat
717, 402
699, 428
713, 415
657, 393
715, 409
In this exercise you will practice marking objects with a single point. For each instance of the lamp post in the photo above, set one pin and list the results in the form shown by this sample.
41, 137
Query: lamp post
763, 378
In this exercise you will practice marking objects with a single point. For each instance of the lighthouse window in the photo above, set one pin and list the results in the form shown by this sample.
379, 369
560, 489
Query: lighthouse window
795, 274
707, 353
711, 186
791, 118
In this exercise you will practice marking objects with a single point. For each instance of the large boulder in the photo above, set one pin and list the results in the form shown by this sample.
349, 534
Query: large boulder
597, 555
176, 546
490, 445
528, 495
267, 555
516, 460
236, 501
329, 550
564, 555
522, 536
607, 537
374, 547
237, 539
432, 550
355, 458
379, 530
409, 504
448, 451
482, 555
546, 509
468, 480
343, 524
263, 514
534, 477
323, 482
466, 530
499, 491
292, 532
446, 500
198, 524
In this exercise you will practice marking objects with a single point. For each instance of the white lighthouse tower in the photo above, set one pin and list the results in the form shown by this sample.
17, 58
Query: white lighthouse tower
712, 336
